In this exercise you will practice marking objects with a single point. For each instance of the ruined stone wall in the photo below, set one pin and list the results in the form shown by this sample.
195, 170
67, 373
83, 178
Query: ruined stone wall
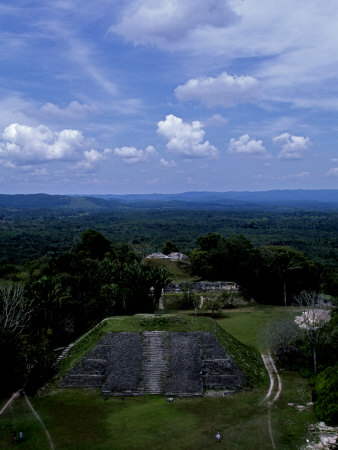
203, 286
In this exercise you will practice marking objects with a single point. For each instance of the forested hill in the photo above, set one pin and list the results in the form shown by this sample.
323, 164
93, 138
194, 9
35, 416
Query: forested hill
306, 198
33, 201
309, 199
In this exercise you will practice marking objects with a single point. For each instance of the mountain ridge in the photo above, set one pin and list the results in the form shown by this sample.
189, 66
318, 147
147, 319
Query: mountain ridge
324, 198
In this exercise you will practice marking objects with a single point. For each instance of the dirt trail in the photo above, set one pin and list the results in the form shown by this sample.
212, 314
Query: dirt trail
14, 396
274, 388
275, 380
51, 444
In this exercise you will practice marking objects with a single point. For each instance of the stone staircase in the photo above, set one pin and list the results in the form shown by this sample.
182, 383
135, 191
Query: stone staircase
218, 369
91, 371
155, 362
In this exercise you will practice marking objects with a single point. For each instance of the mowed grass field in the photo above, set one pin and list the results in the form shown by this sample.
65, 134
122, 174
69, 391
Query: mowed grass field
249, 324
82, 419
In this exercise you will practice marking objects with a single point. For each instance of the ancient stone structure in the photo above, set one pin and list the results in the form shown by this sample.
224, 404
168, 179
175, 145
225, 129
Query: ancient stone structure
174, 256
157, 362
203, 286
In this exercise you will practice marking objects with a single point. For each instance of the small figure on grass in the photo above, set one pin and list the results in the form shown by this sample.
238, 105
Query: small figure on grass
15, 437
20, 436
218, 437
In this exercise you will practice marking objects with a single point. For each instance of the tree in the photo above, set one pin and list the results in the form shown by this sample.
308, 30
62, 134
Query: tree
314, 316
190, 297
285, 340
158, 278
92, 245
288, 269
15, 313
213, 304
169, 247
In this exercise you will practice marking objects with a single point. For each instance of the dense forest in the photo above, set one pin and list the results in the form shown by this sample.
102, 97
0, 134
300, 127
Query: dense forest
30, 234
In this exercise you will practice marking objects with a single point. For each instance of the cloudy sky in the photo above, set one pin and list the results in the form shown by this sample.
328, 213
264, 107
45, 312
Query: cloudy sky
140, 96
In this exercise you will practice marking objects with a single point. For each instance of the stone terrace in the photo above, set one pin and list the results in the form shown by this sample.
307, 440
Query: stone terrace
157, 362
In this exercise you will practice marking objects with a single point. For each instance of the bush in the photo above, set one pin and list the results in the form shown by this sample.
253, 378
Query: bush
285, 339
176, 301
326, 406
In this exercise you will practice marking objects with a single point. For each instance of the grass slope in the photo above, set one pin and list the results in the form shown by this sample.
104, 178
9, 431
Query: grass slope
246, 359
180, 269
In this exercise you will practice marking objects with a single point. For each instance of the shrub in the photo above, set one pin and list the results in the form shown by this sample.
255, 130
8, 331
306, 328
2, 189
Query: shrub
326, 406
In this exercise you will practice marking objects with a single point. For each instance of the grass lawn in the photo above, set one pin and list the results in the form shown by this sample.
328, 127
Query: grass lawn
81, 419
248, 324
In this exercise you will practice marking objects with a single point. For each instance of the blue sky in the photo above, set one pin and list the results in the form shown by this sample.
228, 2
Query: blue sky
141, 96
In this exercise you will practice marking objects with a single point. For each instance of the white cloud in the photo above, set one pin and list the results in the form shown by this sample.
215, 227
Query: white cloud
91, 159
333, 172
223, 90
247, 147
22, 144
186, 139
73, 111
217, 120
15, 109
293, 147
165, 23
168, 164
293, 55
334, 160
131, 155
292, 176
41, 172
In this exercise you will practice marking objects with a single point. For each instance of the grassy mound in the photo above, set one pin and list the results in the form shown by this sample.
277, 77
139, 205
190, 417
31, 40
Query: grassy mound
180, 269
246, 359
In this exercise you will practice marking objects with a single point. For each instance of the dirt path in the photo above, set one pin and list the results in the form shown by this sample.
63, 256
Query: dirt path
49, 438
275, 380
14, 396
274, 388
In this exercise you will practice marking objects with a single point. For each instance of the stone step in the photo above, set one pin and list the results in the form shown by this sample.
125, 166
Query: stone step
154, 361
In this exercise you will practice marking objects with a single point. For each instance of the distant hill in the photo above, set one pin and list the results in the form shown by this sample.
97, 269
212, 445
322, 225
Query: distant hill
317, 199
203, 200
33, 201
273, 196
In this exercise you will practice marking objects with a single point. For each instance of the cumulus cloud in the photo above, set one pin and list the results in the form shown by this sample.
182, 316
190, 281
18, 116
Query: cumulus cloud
293, 147
92, 158
163, 22
223, 90
74, 110
186, 139
131, 155
23, 144
168, 164
247, 147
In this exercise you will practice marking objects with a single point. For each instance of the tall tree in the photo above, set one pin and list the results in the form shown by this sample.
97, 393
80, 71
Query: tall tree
314, 316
